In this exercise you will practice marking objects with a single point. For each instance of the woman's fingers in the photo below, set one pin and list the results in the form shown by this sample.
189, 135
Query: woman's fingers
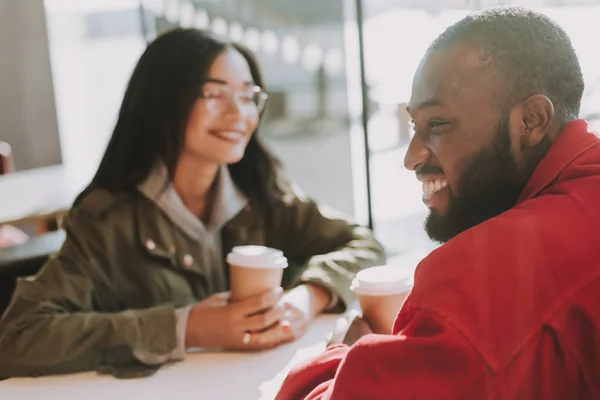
257, 304
265, 339
294, 330
264, 320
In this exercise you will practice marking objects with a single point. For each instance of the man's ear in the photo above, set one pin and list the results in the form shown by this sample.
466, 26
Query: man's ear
535, 115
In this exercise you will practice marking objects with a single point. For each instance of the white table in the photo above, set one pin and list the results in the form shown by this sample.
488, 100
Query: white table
215, 376
39, 194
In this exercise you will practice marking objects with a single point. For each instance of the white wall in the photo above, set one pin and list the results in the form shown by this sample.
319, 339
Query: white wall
90, 75
27, 109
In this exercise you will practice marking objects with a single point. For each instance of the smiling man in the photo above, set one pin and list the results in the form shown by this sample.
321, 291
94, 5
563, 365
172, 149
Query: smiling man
508, 306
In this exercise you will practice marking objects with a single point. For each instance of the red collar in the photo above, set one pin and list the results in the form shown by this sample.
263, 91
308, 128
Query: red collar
575, 139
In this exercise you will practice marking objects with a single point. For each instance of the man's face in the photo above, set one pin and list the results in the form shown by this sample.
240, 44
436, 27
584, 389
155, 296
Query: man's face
462, 149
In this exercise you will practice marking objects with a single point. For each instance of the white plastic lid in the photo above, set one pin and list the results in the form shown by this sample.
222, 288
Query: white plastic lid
381, 281
257, 257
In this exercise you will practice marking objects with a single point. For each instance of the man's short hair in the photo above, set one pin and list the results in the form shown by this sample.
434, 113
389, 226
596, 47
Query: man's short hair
531, 51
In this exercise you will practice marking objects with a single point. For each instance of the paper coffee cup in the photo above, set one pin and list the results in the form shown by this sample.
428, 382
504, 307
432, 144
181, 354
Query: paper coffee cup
254, 270
381, 292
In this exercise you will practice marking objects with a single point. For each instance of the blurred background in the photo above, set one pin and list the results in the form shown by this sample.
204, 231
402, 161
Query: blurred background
64, 65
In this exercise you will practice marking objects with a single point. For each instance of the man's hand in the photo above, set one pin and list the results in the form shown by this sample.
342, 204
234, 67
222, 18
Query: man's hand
349, 328
358, 328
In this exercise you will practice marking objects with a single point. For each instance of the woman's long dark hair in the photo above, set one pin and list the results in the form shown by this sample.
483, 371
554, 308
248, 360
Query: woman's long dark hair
153, 117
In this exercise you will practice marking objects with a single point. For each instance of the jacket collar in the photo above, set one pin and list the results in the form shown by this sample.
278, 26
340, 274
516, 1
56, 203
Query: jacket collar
575, 139
228, 202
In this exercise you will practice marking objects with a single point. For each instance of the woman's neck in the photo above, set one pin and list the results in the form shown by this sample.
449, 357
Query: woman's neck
193, 182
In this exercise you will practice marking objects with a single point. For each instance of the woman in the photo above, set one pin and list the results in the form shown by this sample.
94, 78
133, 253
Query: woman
141, 275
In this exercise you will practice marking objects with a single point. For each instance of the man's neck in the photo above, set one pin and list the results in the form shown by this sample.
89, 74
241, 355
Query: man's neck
557, 128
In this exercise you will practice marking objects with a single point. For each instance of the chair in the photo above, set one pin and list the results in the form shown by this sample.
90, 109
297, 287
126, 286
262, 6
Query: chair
7, 163
25, 260
9, 235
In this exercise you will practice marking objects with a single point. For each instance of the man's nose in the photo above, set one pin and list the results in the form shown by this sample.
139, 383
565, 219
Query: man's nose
417, 154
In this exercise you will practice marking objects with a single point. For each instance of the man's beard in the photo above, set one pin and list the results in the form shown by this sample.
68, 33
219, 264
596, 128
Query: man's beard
490, 184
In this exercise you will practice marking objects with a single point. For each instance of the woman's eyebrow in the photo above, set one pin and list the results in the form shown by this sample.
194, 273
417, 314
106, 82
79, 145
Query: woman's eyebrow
222, 82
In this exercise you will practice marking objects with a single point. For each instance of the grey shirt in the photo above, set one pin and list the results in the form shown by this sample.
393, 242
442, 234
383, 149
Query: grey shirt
227, 203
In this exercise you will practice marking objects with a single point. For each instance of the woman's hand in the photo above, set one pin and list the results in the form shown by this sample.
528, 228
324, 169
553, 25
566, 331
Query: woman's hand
218, 324
301, 305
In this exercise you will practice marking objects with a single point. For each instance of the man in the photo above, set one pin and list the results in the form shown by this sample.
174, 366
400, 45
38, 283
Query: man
508, 307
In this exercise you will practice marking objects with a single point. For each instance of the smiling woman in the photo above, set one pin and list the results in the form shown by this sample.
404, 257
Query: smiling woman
188, 90
228, 109
184, 180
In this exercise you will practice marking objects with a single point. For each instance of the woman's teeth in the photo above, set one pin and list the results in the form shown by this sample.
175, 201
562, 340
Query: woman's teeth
435, 185
229, 135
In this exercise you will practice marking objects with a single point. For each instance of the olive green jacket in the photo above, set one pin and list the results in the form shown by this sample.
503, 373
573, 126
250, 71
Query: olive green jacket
111, 291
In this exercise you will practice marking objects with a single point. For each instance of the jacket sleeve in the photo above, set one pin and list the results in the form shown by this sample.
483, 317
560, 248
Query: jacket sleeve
329, 247
55, 325
428, 359
182, 315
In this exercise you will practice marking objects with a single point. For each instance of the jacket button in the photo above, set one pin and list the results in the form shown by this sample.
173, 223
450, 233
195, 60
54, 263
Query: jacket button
288, 199
188, 260
150, 245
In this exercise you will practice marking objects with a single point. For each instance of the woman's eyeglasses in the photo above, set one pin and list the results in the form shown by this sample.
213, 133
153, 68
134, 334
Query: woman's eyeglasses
219, 97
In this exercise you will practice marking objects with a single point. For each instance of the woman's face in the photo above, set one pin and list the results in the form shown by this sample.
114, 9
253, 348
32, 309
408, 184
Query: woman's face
226, 114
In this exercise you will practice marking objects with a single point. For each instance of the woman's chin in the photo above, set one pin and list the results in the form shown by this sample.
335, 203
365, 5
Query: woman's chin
220, 157
232, 159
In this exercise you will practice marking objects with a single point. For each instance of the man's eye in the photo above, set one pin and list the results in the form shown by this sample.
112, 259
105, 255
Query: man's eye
436, 124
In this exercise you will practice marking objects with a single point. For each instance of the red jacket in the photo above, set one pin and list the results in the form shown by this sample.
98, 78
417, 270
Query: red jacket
509, 309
